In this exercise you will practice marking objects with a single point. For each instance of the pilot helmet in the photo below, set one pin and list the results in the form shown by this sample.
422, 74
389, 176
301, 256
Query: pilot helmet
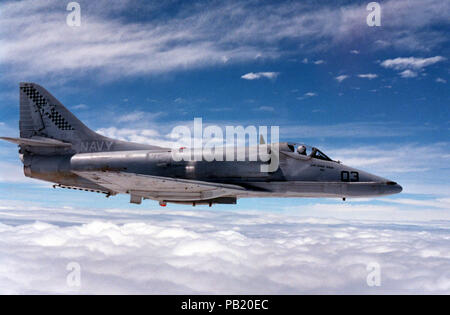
301, 149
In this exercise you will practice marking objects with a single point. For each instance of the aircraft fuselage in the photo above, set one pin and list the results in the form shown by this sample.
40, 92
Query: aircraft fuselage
297, 175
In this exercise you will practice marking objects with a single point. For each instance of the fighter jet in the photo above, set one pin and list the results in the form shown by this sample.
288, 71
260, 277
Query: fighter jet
57, 147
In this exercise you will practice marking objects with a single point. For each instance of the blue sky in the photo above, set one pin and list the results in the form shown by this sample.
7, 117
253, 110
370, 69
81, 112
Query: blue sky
376, 98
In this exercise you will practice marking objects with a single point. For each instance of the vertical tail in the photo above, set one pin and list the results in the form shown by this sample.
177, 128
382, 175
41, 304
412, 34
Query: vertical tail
43, 116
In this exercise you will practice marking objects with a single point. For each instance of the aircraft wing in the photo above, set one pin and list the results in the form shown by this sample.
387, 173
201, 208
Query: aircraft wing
160, 188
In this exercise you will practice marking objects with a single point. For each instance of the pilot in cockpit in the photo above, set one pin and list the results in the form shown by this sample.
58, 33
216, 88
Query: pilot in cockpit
301, 149
314, 153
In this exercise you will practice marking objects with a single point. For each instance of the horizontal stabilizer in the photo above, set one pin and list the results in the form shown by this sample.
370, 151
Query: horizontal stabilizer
37, 142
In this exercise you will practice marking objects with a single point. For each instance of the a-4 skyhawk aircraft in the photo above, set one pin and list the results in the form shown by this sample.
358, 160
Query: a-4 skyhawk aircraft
57, 147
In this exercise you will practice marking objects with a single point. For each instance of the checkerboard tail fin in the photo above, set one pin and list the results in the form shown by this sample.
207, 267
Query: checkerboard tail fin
46, 123
42, 115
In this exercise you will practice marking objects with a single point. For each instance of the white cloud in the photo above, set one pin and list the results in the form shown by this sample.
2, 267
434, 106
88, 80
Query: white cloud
179, 100
217, 252
103, 45
307, 95
411, 66
266, 108
411, 62
382, 43
440, 80
109, 47
130, 117
138, 116
408, 74
259, 75
145, 135
369, 76
316, 62
80, 106
341, 78
354, 52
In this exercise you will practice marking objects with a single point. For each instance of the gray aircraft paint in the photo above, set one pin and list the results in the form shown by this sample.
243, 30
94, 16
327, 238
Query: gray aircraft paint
56, 147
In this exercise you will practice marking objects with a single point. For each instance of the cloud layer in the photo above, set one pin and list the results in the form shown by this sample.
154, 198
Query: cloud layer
152, 251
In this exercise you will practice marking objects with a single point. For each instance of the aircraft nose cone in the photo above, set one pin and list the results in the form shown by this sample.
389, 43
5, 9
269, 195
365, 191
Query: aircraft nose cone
393, 188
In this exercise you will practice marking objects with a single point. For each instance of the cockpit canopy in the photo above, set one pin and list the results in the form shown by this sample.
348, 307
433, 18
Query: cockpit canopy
306, 150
